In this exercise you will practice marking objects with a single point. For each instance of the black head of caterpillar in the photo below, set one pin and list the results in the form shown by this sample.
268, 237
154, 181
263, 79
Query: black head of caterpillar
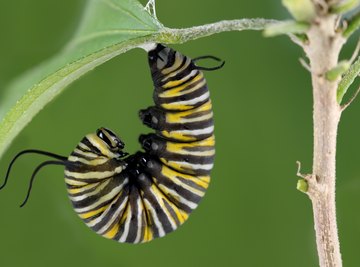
136, 198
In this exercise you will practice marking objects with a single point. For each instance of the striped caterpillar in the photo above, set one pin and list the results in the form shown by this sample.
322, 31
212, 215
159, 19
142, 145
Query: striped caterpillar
136, 198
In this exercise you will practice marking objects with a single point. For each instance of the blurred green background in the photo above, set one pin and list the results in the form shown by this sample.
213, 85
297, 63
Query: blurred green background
252, 215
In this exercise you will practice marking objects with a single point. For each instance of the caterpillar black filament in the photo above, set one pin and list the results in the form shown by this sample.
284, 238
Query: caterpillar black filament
140, 197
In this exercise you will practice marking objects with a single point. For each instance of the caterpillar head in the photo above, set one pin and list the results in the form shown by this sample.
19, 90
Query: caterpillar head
107, 143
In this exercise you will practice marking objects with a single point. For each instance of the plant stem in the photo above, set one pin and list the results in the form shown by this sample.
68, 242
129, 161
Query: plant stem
323, 51
171, 35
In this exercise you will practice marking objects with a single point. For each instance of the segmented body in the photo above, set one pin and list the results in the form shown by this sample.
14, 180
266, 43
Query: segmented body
137, 198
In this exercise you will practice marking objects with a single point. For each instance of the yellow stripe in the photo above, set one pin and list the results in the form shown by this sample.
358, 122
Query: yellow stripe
73, 191
148, 236
92, 213
176, 71
179, 167
156, 192
74, 182
172, 175
173, 206
100, 144
94, 162
180, 148
177, 136
177, 63
113, 231
192, 74
175, 117
94, 174
180, 90
174, 106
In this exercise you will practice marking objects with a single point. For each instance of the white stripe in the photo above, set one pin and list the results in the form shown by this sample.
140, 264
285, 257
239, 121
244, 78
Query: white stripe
102, 148
194, 166
168, 93
126, 226
113, 218
86, 195
159, 201
185, 78
192, 101
140, 209
83, 188
86, 154
83, 146
103, 199
96, 161
207, 130
195, 119
74, 182
210, 152
188, 203
155, 217
100, 218
94, 175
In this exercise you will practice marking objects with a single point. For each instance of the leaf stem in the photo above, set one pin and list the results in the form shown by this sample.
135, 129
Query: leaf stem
169, 35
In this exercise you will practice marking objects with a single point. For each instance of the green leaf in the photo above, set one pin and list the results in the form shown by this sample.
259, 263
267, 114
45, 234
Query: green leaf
344, 6
353, 24
337, 71
301, 10
286, 27
108, 28
348, 79
302, 185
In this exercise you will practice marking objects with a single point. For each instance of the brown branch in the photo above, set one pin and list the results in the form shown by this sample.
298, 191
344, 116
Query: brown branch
323, 52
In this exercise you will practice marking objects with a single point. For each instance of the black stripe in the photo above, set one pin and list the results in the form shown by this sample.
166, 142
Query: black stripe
92, 148
134, 196
109, 165
185, 72
197, 114
172, 100
196, 125
171, 211
154, 169
112, 209
95, 198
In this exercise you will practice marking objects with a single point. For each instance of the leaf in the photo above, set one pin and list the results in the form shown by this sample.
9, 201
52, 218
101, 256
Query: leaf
286, 27
348, 79
108, 28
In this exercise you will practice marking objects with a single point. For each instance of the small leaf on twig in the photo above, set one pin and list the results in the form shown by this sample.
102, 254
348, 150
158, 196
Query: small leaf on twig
353, 24
336, 72
348, 79
344, 6
301, 10
286, 27
302, 185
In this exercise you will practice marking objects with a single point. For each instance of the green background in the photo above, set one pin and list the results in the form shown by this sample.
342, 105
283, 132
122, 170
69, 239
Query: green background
252, 215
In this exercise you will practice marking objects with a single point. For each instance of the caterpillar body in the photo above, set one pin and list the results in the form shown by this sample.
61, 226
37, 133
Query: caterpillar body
136, 198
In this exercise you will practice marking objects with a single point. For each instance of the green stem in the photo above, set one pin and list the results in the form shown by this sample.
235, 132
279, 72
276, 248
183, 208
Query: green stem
353, 25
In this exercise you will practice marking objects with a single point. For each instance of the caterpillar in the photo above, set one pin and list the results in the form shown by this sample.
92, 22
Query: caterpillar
136, 198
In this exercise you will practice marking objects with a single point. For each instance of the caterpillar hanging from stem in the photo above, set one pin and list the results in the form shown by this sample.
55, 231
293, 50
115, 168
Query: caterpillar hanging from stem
136, 198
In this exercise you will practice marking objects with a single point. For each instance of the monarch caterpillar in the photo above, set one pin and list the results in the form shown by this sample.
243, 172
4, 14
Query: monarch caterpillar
136, 198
